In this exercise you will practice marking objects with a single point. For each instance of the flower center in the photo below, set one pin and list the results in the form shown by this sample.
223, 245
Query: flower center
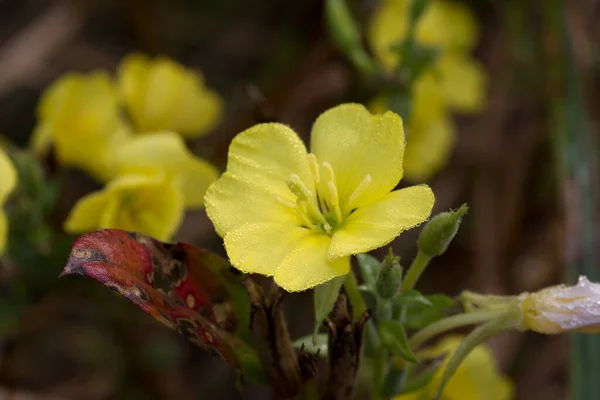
322, 211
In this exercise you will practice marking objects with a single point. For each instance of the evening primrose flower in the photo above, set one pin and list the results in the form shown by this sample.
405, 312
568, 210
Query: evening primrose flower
80, 116
166, 153
8, 181
298, 216
447, 26
161, 94
153, 205
477, 377
561, 308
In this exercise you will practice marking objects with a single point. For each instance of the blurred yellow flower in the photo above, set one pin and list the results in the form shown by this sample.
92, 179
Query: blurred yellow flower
79, 115
455, 81
8, 181
161, 94
448, 26
165, 152
153, 205
561, 308
297, 216
477, 378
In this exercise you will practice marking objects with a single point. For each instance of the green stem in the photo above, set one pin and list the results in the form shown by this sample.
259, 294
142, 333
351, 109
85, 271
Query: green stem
356, 299
416, 269
453, 322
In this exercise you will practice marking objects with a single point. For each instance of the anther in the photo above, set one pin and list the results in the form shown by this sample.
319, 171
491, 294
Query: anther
335, 201
359, 191
314, 167
329, 171
298, 187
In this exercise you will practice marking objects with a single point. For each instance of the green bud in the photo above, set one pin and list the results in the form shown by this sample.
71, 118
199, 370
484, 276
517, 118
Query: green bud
343, 29
389, 277
439, 231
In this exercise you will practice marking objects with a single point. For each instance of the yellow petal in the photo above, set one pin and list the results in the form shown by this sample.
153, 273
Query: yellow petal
131, 77
260, 247
231, 202
260, 161
82, 115
85, 215
378, 224
150, 205
8, 176
199, 108
447, 24
429, 147
162, 94
388, 27
166, 152
41, 139
463, 82
357, 143
307, 266
3, 231
476, 378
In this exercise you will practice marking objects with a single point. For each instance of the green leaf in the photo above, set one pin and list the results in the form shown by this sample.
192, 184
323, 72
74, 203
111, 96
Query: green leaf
419, 381
419, 315
313, 345
369, 268
325, 296
394, 339
413, 297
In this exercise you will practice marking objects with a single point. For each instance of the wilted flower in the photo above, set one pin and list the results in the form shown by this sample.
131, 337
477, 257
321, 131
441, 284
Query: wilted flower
296, 216
8, 181
161, 94
166, 153
80, 116
476, 378
153, 205
561, 308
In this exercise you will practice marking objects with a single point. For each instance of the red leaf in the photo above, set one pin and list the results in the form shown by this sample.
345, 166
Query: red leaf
181, 286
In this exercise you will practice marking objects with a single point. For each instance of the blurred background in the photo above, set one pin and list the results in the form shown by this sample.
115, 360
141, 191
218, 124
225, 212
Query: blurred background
526, 165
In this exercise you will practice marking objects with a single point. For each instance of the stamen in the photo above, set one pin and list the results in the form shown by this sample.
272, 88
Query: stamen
298, 187
285, 201
359, 191
314, 167
303, 213
329, 171
334, 198
305, 197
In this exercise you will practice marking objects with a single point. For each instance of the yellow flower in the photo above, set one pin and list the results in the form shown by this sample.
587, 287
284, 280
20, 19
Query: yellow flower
161, 94
297, 216
561, 308
166, 152
447, 26
8, 181
152, 205
477, 378
79, 115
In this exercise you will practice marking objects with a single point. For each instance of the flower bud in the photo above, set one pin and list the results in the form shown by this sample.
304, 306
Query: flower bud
439, 231
561, 308
389, 277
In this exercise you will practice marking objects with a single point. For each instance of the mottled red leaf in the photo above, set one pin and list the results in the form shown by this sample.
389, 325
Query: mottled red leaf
188, 289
